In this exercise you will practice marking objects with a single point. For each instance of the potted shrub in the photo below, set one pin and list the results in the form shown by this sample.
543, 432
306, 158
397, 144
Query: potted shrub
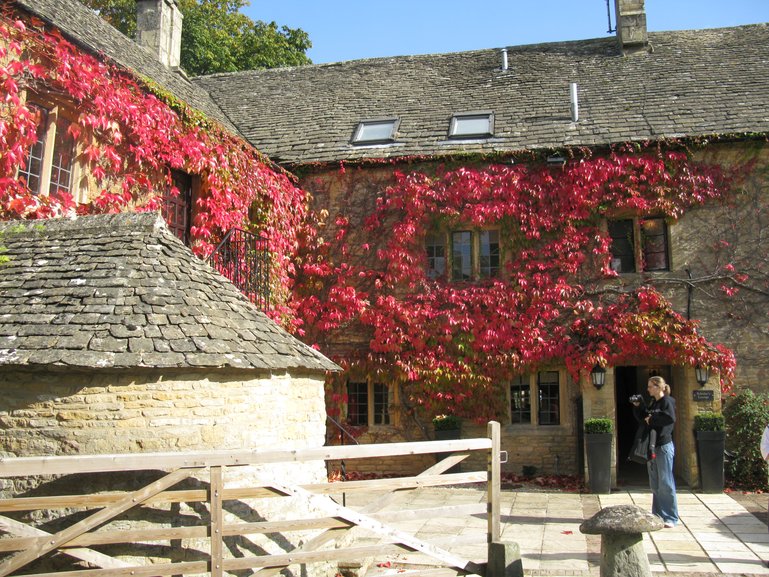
447, 427
598, 439
710, 433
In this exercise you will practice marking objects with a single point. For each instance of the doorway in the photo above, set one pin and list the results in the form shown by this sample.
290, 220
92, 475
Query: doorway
631, 380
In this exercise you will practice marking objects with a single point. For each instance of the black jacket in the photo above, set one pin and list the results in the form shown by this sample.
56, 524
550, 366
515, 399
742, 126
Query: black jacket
663, 418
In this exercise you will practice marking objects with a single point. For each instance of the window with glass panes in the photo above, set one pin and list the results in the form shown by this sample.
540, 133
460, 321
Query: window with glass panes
489, 253
462, 255
368, 403
472, 255
639, 245
435, 245
520, 400
549, 397
654, 242
50, 161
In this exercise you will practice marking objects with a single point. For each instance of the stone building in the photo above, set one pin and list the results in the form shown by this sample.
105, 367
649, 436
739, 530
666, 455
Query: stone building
348, 129
361, 122
115, 338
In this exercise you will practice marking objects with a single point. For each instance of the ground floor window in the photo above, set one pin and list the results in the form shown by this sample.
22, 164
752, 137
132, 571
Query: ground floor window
535, 399
368, 403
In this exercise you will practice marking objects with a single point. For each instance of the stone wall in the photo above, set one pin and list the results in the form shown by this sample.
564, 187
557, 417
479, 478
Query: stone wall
66, 413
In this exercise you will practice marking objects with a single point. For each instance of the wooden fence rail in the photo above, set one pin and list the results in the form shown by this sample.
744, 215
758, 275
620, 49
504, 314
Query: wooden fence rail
24, 543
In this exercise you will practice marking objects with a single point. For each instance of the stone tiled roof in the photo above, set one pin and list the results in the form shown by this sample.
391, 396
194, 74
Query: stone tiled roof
122, 291
88, 29
688, 83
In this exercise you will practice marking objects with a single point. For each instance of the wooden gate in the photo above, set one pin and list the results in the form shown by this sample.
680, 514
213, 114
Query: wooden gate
25, 543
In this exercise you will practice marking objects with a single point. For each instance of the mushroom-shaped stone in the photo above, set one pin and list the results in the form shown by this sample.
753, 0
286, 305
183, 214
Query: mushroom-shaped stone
621, 528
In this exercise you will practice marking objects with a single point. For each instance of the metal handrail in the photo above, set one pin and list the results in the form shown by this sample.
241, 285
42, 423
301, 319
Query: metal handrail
243, 258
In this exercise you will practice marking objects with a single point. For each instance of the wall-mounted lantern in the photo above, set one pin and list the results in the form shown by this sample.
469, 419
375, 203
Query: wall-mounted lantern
598, 376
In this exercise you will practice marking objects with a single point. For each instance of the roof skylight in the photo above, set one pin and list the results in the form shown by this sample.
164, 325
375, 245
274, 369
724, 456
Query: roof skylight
379, 131
472, 125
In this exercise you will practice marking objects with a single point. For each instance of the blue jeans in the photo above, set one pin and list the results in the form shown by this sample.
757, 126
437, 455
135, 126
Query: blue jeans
662, 484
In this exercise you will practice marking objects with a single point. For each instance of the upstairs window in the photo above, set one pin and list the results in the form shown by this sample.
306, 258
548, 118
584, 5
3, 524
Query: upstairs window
473, 254
368, 403
462, 255
177, 208
472, 125
379, 131
436, 255
51, 160
639, 245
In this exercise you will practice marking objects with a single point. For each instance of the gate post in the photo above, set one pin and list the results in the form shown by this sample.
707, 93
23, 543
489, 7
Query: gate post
493, 483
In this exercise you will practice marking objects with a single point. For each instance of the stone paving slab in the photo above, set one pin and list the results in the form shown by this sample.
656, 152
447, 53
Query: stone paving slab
716, 536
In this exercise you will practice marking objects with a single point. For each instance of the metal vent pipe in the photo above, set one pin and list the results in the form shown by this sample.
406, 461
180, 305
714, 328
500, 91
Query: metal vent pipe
574, 98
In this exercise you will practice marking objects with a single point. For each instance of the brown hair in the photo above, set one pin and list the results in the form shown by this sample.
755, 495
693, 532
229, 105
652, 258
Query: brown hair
660, 382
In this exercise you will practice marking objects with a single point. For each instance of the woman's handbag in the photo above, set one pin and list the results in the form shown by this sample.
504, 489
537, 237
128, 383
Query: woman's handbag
643, 446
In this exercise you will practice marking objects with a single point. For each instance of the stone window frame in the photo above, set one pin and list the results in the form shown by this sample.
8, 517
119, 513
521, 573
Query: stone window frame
440, 249
532, 383
377, 410
56, 112
639, 246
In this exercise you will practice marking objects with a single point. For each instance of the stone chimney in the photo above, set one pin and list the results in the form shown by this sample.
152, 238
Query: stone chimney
631, 25
159, 28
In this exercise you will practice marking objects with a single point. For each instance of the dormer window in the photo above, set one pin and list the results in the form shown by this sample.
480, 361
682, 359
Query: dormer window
472, 125
378, 131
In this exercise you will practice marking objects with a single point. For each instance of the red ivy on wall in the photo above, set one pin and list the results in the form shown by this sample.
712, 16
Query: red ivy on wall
452, 344
129, 140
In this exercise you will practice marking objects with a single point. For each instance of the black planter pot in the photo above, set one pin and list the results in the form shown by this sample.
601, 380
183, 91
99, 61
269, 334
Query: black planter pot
448, 435
598, 447
710, 457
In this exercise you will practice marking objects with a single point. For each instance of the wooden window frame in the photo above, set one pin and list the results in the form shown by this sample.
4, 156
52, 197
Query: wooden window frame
54, 112
639, 245
477, 270
377, 412
533, 382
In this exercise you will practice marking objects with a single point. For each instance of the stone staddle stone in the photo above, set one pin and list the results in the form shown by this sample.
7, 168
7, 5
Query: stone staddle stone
621, 528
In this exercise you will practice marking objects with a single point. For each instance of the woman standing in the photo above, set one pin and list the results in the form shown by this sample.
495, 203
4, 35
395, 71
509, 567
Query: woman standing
661, 417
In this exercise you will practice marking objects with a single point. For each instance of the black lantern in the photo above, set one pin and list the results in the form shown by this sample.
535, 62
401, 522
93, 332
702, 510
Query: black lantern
701, 373
598, 376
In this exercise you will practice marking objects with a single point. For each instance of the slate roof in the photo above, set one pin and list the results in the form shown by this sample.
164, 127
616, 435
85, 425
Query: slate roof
86, 28
122, 291
689, 83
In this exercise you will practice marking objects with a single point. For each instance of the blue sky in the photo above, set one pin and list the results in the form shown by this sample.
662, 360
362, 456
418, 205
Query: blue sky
353, 29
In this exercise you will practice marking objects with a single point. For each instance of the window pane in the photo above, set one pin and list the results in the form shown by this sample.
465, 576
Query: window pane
177, 210
470, 125
461, 255
357, 403
375, 131
654, 232
622, 247
549, 398
381, 405
63, 157
435, 245
520, 400
33, 169
489, 257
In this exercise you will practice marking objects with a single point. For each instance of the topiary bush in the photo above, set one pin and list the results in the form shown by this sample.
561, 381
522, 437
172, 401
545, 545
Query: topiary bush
601, 425
709, 421
746, 415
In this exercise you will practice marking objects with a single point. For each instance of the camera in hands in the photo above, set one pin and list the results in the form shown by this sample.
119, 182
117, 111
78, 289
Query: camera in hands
636, 399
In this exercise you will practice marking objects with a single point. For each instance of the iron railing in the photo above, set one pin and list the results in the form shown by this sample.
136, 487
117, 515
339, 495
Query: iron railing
243, 258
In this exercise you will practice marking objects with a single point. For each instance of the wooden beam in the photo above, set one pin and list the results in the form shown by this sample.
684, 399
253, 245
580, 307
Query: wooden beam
98, 500
72, 464
216, 488
10, 564
14, 527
